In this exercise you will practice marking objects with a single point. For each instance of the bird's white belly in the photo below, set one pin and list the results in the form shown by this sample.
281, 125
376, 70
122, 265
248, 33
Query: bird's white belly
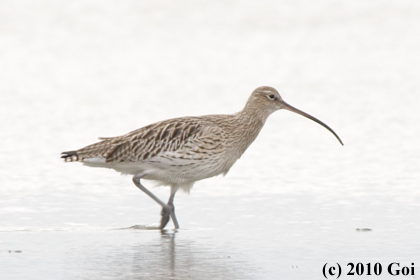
167, 170
181, 174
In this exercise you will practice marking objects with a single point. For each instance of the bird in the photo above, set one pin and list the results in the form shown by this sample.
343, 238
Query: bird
181, 151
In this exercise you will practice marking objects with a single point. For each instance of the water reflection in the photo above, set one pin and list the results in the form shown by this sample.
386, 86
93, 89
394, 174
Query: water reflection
176, 256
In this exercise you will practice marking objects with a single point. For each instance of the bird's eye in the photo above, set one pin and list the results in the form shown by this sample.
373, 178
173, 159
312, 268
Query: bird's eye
272, 96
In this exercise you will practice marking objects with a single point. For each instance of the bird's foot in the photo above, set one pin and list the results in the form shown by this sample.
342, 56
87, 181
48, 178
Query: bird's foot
166, 215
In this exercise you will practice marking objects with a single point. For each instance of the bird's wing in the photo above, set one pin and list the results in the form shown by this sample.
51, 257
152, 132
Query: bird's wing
183, 138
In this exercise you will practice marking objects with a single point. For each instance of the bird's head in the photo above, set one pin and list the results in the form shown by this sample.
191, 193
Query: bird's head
266, 100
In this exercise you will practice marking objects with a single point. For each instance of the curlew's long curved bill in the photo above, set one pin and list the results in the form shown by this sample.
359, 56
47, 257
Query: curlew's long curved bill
297, 111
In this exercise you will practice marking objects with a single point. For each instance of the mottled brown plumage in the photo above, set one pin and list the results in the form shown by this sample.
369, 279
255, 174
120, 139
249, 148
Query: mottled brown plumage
181, 151
147, 142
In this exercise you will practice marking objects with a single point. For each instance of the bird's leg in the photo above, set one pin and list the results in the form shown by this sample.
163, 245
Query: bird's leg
172, 207
166, 209
166, 212
169, 211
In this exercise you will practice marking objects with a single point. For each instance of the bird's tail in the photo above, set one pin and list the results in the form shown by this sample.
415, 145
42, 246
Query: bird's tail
70, 156
101, 149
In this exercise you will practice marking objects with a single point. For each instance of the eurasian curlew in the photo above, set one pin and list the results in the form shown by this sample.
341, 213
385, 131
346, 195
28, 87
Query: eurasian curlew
178, 152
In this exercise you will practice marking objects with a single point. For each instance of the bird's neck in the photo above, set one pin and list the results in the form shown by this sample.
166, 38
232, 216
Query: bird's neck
248, 125
256, 110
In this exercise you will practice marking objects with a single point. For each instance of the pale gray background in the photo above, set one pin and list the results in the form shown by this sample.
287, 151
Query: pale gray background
75, 70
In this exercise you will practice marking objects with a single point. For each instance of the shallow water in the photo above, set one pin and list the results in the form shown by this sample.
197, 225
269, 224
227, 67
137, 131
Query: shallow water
73, 71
